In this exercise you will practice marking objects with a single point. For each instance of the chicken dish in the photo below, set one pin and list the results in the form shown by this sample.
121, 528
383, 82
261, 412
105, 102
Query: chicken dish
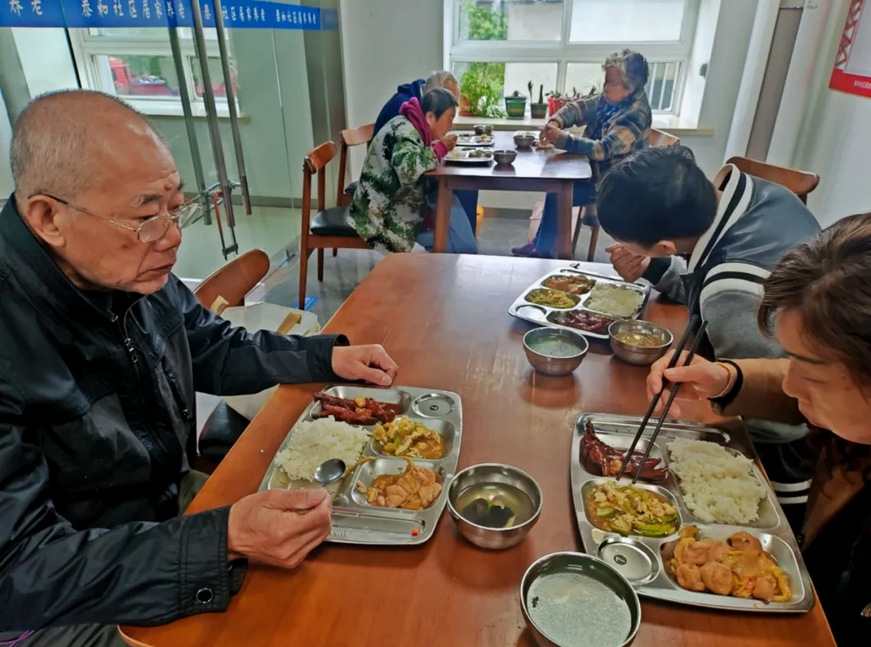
627, 509
552, 298
739, 567
415, 489
359, 411
610, 460
570, 284
582, 320
404, 437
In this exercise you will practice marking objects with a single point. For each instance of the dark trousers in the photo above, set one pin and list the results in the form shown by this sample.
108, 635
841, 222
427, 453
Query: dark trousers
469, 200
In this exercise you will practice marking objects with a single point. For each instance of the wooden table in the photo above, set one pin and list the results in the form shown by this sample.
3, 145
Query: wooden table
534, 170
444, 319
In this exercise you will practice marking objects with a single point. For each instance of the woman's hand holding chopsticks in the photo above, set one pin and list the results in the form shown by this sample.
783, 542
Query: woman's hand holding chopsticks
705, 380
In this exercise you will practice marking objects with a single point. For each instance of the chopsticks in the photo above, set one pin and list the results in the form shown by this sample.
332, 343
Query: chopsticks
691, 326
696, 342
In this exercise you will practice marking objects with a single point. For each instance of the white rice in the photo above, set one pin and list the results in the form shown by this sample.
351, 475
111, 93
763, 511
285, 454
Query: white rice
312, 443
614, 300
717, 486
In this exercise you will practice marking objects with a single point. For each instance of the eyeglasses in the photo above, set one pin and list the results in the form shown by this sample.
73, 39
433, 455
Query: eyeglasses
153, 228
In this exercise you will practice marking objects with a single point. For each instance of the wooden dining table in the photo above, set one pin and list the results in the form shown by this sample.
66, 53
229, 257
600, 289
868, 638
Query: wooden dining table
534, 169
444, 319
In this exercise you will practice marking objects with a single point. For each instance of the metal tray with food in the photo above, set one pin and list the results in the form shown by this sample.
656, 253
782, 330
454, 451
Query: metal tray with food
471, 139
470, 156
401, 447
701, 527
580, 301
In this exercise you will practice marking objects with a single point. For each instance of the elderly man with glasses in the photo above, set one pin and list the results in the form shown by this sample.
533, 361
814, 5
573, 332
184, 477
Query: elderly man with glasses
103, 350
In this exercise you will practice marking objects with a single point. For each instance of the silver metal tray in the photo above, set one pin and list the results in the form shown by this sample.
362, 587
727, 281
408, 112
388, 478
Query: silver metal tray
545, 316
640, 559
354, 520
470, 139
464, 155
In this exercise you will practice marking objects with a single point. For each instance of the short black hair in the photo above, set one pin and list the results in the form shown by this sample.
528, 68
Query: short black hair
438, 101
656, 194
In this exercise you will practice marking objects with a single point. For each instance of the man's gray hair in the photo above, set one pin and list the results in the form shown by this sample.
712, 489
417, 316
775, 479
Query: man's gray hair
632, 65
55, 139
438, 80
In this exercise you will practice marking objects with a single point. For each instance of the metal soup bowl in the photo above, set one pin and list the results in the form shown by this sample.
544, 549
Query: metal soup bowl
524, 141
505, 157
548, 364
639, 355
593, 567
494, 538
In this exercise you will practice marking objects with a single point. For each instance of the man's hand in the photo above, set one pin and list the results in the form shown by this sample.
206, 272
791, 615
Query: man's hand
450, 141
629, 265
551, 133
370, 363
279, 527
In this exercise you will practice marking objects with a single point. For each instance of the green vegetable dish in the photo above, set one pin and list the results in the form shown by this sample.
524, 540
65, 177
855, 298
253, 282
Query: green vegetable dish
552, 298
630, 510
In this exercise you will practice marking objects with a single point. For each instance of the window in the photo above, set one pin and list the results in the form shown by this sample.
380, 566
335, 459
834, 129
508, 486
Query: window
502, 45
137, 65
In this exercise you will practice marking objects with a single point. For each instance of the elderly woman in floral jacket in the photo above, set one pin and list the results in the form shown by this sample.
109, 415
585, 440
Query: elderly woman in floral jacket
617, 124
393, 203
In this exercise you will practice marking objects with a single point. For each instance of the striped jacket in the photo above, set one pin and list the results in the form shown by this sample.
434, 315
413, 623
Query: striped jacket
756, 222
626, 132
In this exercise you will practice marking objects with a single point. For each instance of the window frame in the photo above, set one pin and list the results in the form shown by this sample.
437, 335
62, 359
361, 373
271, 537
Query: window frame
564, 51
87, 47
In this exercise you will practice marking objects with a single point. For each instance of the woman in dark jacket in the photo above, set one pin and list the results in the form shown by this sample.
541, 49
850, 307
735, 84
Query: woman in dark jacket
817, 302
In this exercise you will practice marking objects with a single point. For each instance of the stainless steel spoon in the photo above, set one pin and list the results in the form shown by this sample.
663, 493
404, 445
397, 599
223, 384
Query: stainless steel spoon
330, 471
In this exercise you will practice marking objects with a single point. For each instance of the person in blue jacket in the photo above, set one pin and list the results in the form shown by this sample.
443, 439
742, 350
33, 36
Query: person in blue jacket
416, 90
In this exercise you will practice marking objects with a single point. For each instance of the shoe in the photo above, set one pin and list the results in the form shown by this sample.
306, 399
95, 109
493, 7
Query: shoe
528, 250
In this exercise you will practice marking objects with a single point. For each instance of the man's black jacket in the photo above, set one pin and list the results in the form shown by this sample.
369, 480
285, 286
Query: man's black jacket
96, 406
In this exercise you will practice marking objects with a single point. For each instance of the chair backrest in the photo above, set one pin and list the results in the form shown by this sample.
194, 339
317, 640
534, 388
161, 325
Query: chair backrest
662, 139
351, 137
799, 182
236, 279
314, 163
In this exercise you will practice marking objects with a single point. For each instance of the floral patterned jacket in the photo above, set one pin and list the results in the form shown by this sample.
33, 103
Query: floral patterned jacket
390, 201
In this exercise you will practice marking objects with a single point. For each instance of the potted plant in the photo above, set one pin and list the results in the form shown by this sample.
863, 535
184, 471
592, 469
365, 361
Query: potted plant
515, 105
538, 110
558, 100
479, 94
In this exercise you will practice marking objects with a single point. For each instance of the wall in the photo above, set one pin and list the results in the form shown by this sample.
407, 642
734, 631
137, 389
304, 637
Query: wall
5, 141
386, 43
38, 45
835, 137
706, 29
726, 66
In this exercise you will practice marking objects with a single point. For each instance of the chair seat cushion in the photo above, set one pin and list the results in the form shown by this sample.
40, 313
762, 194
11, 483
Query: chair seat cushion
220, 432
335, 221
351, 188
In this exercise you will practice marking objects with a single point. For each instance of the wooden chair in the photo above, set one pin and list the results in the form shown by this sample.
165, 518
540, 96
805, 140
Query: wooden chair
658, 139
662, 139
799, 182
351, 137
225, 288
233, 281
330, 228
